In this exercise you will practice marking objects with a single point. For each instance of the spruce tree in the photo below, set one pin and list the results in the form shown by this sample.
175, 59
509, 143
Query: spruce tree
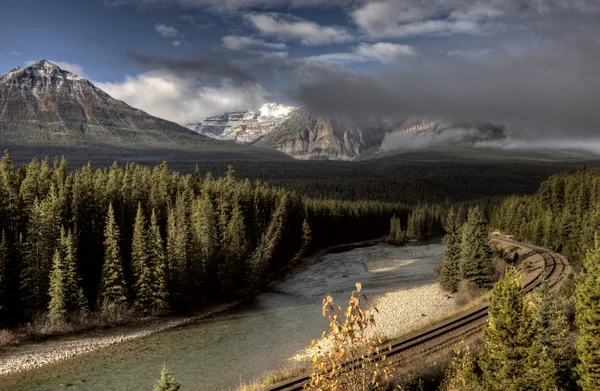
166, 382
551, 331
587, 318
512, 359
42, 236
74, 296
450, 271
206, 235
263, 254
4, 263
158, 264
232, 269
66, 294
306, 239
476, 253
57, 309
461, 375
113, 289
139, 250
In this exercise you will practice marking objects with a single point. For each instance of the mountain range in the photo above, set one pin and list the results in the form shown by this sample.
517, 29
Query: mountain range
46, 105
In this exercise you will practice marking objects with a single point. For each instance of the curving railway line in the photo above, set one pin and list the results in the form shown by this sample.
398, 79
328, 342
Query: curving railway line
555, 266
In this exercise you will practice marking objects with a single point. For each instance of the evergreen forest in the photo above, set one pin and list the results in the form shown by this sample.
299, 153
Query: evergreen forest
87, 239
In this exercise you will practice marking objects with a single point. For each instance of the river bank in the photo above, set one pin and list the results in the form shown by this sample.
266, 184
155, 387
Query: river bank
34, 354
402, 309
251, 339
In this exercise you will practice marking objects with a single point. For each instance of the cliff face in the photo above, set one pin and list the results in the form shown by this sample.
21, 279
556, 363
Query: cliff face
305, 135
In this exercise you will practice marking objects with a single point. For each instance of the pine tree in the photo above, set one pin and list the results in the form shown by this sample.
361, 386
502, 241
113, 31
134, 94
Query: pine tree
475, 254
157, 262
206, 235
393, 227
232, 270
113, 289
42, 236
166, 382
306, 239
74, 296
66, 294
551, 325
450, 270
588, 320
461, 375
264, 252
512, 359
4, 263
29, 187
139, 250
57, 309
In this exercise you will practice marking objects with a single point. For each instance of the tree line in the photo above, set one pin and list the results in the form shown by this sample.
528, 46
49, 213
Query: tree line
154, 239
563, 215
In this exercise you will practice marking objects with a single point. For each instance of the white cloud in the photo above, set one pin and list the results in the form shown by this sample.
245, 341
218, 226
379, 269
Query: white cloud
232, 42
383, 52
288, 27
408, 18
70, 67
176, 43
175, 98
166, 31
15, 53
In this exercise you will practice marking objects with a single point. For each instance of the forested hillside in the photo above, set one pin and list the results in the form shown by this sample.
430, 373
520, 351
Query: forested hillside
563, 215
154, 239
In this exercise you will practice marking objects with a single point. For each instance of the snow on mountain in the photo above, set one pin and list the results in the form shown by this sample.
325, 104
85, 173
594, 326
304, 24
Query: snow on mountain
243, 127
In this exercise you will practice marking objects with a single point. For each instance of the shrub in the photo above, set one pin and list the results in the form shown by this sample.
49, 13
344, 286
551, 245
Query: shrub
467, 292
8, 338
335, 367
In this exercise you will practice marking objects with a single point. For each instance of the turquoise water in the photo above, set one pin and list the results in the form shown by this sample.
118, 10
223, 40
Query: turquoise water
242, 343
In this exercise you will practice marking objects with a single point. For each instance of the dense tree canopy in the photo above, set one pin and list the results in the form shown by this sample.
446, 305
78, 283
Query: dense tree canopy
157, 240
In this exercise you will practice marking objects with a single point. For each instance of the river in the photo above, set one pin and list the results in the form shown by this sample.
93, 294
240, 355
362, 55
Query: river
245, 342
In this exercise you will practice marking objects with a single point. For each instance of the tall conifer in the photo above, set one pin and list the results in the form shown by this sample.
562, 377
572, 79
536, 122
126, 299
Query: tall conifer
57, 309
476, 253
113, 289
588, 320
512, 359
159, 268
450, 274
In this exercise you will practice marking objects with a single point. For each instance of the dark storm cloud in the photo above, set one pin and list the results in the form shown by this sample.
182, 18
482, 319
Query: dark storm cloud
555, 88
196, 68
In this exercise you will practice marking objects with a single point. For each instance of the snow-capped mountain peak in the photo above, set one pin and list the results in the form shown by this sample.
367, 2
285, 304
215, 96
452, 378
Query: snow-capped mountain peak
245, 126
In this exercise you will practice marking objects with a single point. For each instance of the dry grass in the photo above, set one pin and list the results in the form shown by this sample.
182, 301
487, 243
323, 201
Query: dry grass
40, 327
468, 292
273, 378
9, 338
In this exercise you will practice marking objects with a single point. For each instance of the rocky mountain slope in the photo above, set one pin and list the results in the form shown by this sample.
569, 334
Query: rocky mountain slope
305, 135
245, 126
45, 105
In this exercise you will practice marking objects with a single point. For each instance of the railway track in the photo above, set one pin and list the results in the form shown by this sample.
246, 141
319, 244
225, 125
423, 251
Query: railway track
555, 268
